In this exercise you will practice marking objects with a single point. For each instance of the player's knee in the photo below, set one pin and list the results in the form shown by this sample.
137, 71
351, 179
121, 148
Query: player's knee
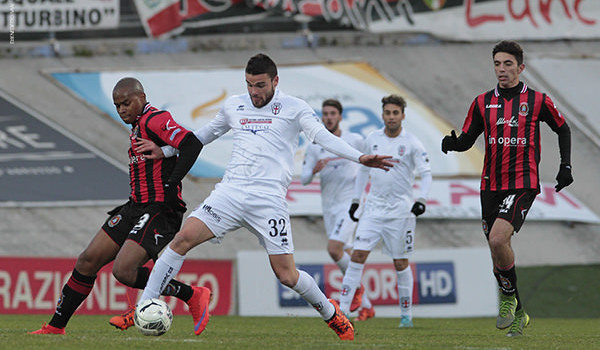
88, 264
401, 264
287, 278
124, 275
335, 254
287, 281
496, 242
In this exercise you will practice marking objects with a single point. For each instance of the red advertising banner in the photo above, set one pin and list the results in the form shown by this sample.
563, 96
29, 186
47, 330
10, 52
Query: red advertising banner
33, 286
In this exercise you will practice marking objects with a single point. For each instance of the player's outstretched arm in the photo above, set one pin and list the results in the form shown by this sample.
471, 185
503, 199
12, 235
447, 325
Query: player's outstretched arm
377, 161
458, 144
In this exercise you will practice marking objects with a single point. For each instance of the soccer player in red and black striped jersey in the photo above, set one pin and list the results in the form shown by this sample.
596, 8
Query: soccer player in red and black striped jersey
509, 116
139, 229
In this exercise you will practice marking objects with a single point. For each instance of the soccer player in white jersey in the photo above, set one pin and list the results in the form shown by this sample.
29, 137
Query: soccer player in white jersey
337, 176
265, 123
389, 211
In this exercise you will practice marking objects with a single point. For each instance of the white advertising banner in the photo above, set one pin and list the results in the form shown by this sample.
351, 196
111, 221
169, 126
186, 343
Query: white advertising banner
447, 283
44, 16
488, 19
459, 199
193, 103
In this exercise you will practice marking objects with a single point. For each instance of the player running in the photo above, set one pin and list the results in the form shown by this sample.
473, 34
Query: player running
337, 176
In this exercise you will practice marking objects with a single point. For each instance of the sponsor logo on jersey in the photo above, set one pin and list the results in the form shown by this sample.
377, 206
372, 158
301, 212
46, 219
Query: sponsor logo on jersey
512, 122
276, 108
488, 106
523, 108
255, 125
240, 108
136, 159
114, 220
508, 141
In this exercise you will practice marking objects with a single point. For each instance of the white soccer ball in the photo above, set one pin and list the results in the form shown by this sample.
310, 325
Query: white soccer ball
153, 317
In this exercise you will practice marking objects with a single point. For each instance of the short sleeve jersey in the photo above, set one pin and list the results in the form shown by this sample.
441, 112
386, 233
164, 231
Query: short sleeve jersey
147, 176
264, 139
391, 192
338, 176
512, 136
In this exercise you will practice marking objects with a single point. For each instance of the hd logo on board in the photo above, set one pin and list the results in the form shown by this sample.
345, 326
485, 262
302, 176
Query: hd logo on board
435, 283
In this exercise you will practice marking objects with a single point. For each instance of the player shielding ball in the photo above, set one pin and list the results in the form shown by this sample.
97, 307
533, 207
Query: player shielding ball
139, 229
265, 123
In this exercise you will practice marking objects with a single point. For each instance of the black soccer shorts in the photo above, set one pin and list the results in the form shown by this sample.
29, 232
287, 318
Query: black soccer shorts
510, 205
151, 225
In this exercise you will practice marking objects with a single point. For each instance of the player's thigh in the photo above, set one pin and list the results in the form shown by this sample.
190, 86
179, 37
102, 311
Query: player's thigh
511, 205
399, 237
515, 206
100, 251
368, 233
267, 217
221, 211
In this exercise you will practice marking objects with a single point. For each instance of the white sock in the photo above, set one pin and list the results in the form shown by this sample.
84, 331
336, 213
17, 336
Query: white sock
349, 284
343, 262
165, 268
366, 303
309, 291
405, 291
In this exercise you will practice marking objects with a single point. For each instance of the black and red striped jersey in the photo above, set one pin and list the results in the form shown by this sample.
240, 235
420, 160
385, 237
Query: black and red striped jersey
147, 176
511, 126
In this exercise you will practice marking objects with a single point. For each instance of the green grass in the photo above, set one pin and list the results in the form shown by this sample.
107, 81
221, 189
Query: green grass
560, 291
263, 333
563, 301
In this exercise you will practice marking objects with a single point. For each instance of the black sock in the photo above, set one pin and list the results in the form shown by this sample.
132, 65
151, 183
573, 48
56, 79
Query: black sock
519, 306
174, 288
74, 292
508, 280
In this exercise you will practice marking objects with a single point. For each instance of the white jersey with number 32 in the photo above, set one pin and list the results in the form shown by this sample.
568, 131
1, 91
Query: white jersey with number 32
264, 139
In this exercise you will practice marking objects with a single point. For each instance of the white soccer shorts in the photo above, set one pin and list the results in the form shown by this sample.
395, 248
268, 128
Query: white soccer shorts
266, 215
398, 235
339, 226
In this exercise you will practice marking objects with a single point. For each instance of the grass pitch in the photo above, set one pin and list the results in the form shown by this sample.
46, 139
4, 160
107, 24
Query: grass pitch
263, 333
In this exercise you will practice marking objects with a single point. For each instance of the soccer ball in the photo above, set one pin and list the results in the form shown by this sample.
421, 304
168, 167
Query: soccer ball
153, 317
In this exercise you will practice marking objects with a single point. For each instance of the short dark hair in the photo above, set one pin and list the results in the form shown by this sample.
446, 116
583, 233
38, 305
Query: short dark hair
332, 102
394, 99
260, 64
510, 47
